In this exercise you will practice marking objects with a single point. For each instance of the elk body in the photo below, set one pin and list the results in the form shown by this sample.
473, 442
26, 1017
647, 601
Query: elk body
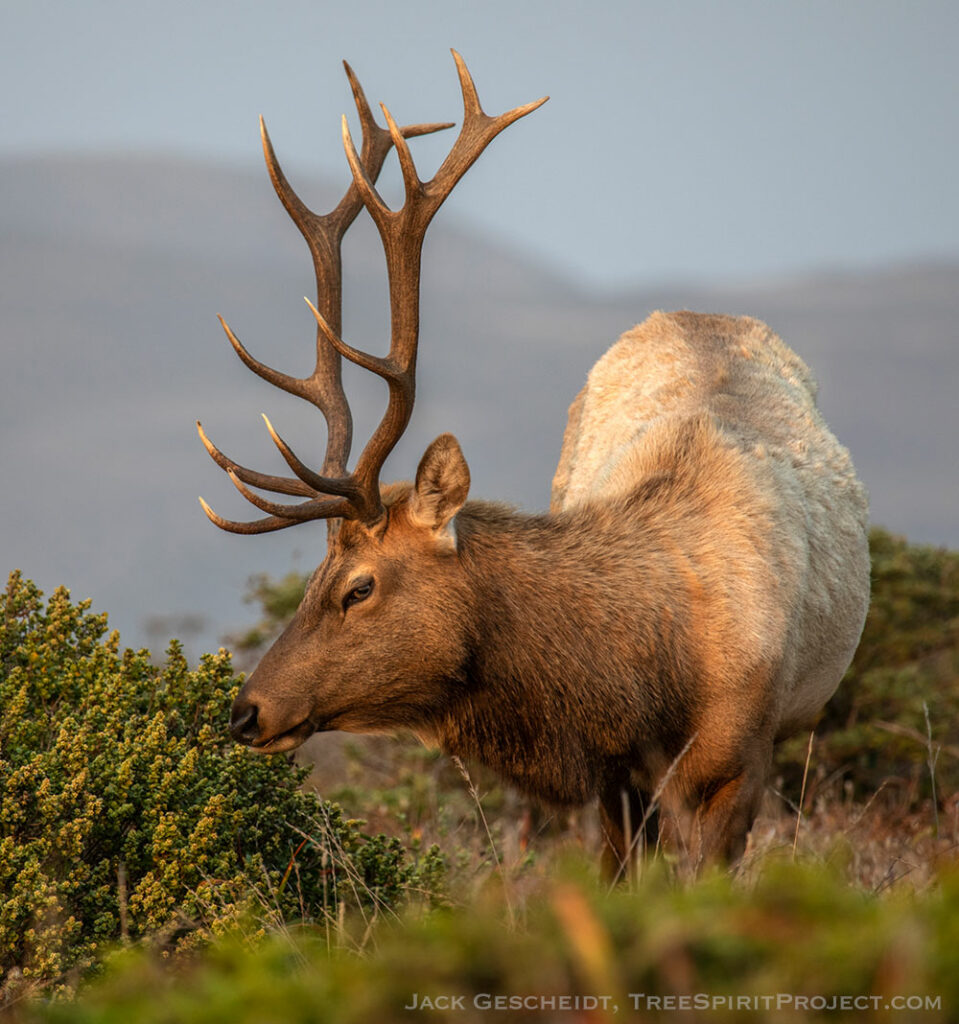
693, 596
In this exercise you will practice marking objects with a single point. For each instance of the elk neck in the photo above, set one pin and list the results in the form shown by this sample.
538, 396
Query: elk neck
577, 661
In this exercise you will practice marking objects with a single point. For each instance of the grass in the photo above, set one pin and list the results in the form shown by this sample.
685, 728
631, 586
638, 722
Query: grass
492, 836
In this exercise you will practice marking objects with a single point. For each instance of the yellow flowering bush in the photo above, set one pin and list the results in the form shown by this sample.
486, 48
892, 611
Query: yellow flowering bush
126, 811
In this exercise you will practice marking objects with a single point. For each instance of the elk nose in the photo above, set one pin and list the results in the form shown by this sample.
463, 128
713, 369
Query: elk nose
244, 727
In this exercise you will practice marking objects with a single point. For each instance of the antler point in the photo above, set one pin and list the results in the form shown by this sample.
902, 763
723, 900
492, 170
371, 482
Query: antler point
269, 427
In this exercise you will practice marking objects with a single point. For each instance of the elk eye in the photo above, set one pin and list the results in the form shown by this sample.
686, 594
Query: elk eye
360, 592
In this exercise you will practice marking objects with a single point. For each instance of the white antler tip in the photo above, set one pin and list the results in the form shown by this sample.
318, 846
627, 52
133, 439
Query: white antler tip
320, 318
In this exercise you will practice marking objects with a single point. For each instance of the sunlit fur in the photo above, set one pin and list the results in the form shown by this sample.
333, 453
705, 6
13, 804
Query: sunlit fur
694, 595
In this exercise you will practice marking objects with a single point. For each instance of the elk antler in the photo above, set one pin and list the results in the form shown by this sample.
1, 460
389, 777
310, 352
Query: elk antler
337, 493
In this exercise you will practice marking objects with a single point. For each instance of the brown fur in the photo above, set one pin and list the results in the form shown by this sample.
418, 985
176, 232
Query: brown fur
693, 596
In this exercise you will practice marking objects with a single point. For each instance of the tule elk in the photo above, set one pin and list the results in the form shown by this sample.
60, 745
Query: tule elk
693, 596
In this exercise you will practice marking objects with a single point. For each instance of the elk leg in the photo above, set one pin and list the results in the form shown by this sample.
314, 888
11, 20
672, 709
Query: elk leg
629, 829
723, 820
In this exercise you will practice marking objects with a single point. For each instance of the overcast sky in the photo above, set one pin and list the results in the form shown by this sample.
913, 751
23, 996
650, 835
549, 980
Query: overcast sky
690, 140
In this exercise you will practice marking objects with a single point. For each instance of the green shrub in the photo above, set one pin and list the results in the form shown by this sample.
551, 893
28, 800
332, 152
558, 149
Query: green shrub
126, 811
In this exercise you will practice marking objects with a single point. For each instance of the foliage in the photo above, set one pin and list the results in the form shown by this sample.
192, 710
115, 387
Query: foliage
874, 730
126, 811
799, 933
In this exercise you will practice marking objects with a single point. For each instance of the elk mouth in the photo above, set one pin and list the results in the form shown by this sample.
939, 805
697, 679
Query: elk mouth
291, 738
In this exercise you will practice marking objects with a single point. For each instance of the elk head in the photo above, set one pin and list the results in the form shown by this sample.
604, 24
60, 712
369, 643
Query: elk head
379, 639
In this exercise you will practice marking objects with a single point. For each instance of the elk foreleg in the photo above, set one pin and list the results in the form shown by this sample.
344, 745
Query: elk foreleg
722, 822
629, 829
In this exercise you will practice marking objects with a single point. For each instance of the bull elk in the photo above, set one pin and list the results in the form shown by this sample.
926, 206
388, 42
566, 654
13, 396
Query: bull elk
693, 596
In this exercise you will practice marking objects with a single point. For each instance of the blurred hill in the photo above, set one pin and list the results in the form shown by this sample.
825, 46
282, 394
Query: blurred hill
112, 271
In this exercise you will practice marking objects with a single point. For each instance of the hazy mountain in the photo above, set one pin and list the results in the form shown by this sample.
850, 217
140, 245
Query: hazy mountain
112, 271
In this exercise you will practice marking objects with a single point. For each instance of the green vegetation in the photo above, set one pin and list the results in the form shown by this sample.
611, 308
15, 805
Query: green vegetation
798, 931
126, 811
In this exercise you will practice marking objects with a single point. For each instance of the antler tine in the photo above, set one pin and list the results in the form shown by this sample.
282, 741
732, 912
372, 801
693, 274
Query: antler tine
411, 179
362, 178
364, 360
278, 484
343, 487
316, 508
299, 212
268, 525
471, 103
292, 385
309, 484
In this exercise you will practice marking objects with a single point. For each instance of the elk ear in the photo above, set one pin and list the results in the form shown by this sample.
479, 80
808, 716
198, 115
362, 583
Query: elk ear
442, 484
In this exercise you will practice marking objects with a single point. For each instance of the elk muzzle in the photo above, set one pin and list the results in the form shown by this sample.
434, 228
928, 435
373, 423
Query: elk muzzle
254, 726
